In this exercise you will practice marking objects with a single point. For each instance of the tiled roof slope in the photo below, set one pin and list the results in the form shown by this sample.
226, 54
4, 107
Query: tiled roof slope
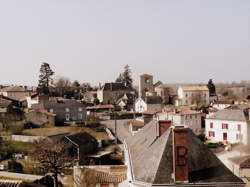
13, 89
152, 159
230, 115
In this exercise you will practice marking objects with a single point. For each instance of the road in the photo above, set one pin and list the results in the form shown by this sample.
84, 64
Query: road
122, 131
19, 176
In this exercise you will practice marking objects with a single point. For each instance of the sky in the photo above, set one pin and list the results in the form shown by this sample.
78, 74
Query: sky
176, 41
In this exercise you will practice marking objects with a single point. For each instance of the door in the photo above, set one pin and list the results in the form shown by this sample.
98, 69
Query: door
225, 136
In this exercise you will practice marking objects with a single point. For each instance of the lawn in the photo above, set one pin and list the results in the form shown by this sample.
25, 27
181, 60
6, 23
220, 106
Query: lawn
22, 147
60, 130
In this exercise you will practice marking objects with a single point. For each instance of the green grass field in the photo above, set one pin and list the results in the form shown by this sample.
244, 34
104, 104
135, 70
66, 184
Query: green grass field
60, 130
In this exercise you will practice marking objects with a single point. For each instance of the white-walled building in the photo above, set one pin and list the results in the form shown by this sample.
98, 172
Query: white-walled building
151, 103
192, 95
190, 118
229, 126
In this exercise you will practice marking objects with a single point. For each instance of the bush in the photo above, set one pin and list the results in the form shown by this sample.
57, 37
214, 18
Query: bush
14, 166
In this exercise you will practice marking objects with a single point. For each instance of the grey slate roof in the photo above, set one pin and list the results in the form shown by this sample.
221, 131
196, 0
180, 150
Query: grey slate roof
152, 159
230, 115
114, 86
4, 103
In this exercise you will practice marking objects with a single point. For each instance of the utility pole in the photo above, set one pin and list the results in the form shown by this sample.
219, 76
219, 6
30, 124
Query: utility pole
115, 130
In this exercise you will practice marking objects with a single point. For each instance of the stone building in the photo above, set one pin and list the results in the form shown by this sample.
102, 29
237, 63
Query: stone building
150, 103
193, 95
40, 118
191, 118
64, 109
109, 93
146, 84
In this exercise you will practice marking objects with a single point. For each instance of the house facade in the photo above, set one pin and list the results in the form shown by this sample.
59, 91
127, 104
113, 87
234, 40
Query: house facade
190, 118
109, 93
65, 109
229, 126
151, 103
15, 92
192, 95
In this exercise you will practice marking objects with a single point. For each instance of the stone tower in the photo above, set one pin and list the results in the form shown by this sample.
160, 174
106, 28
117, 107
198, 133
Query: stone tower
146, 84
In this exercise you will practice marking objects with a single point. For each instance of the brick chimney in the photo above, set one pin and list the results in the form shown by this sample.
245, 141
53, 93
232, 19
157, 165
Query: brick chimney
180, 154
162, 126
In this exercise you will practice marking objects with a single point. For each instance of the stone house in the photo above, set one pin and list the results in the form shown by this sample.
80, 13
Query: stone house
231, 125
16, 92
163, 91
146, 84
65, 109
109, 93
8, 113
193, 95
40, 118
191, 118
151, 103
163, 155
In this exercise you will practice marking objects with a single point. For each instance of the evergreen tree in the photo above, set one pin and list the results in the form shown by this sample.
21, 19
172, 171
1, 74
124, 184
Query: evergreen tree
119, 79
45, 78
211, 87
127, 79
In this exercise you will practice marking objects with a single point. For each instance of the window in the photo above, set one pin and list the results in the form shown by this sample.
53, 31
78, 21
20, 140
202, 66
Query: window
224, 126
239, 127
225, 136
211, 134
67, 109
67, 116
80, 109
51, 110
211, 125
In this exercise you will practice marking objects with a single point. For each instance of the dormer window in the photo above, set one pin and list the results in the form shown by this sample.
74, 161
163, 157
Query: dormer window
67, 109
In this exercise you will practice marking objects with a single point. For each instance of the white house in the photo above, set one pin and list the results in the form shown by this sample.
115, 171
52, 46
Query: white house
229, 126
193, 95
190, 118
151, 103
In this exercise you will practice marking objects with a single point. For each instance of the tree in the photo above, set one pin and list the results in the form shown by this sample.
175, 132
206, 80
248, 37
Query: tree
119, 79
45, 78
76, 84
62, 85
53, 157
211, 87
125, 77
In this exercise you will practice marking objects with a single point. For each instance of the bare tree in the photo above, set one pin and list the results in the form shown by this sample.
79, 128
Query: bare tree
62, 85
84, 177
53, 157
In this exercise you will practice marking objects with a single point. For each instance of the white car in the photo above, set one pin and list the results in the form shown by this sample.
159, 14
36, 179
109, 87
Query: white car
1, 167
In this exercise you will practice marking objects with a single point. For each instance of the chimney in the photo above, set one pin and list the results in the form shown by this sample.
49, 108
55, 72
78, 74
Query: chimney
162, 126
180, 154
43, 98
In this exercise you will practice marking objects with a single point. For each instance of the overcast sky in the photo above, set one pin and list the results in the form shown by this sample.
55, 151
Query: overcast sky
91, 41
